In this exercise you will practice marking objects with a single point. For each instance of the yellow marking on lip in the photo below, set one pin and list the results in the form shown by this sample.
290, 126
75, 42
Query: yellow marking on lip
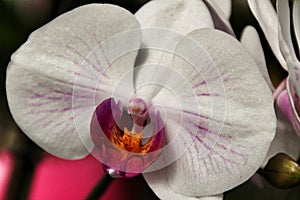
130, 142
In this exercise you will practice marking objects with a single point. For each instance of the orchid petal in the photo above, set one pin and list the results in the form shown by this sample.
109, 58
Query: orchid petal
159, 184
219, 17
211, 130
42, 74
179, 15
268, 21
296, 18
225, 5
250, 40
283, 12
285, 141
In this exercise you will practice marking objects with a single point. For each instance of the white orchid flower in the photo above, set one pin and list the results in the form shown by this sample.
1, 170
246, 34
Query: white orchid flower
192, 88
276, 26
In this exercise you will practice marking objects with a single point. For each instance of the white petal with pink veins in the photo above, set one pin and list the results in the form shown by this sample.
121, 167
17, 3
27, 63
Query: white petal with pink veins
42, 73
228, 126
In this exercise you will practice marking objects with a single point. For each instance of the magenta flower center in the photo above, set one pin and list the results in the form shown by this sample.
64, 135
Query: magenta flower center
120, 143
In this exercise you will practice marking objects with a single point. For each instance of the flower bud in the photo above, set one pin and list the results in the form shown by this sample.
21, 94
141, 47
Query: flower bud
282, 171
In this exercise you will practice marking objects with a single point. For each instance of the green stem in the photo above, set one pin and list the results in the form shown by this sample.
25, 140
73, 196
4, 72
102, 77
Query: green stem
101, 187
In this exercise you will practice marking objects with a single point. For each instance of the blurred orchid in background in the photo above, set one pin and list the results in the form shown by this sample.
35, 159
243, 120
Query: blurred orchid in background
6, 163
277, 29
286, 139
161, 92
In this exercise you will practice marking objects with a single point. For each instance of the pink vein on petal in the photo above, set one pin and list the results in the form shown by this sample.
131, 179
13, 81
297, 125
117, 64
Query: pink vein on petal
225, 160
211, 132
84, 58
209, 94
72, 84
212, 150
45, 121
79, 64
202, 95
212, 163
205, 117
100, 70
205, 82
82, 40
76, 64
233, 151
217, 153
192, 161
205, 165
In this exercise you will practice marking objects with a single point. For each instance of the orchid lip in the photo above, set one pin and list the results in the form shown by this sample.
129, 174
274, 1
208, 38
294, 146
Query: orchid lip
127, 152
